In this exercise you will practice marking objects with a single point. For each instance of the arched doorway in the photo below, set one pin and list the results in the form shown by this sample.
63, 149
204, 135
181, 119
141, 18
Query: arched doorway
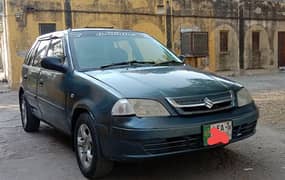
226, 45
258, 53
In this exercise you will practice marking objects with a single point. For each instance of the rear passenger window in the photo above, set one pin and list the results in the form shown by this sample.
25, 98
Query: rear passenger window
31, 53
41, 52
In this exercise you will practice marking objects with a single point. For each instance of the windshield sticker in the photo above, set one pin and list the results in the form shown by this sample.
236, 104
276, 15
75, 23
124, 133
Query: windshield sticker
109, 33
76, 35
117, 34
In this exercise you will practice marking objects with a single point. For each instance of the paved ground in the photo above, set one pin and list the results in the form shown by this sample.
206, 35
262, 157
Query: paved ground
47, 155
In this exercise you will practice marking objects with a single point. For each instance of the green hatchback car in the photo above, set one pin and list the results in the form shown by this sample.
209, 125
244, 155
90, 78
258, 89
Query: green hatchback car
122, 96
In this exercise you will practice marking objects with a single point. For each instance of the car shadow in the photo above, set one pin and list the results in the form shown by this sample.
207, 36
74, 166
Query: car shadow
217, 163
55, 136
197, 165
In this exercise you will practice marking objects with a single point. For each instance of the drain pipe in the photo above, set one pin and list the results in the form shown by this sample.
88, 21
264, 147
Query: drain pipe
241, 38
169, 24
67, 14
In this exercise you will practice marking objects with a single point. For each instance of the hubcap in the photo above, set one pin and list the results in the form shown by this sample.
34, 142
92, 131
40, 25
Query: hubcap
85, 146
24, 112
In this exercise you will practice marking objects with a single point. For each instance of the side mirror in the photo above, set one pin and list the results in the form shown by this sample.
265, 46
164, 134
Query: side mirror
53, 63
182, 58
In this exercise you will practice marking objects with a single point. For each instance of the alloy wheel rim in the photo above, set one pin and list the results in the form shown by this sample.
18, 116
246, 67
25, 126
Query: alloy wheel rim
85, 146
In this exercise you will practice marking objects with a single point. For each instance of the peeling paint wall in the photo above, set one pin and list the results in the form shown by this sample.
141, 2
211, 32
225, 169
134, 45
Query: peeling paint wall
22, 30
1, 54
127, 14
212, 16
142, 15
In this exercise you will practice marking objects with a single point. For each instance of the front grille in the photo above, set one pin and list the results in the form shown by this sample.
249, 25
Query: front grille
191, 142
204, 103
173, 144
244, 130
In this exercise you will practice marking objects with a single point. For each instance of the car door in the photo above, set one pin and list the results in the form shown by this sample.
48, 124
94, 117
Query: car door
52, 90
30, 73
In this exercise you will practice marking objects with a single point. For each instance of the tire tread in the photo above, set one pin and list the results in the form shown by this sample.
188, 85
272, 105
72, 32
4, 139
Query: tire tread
103, 166
33, 123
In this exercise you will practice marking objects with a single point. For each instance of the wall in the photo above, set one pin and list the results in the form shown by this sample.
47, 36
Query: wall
142, 15
150, 16
1, 56
126, 14
264, 16
22, 33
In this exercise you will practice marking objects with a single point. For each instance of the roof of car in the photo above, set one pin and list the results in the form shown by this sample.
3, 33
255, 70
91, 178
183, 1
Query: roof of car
61, 33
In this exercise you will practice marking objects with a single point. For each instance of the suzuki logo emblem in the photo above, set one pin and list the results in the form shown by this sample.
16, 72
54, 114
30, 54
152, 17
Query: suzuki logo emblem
208, 103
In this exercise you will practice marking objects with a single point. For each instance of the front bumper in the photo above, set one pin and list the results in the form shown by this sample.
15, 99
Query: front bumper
133, 138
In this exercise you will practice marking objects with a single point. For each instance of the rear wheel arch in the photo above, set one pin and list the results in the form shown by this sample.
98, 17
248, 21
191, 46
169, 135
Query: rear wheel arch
30, 122
21, 92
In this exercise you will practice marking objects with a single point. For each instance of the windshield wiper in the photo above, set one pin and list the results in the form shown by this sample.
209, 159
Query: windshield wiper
168, 62
126, 63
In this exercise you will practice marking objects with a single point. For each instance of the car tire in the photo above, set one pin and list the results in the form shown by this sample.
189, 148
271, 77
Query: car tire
87, 148
30, 123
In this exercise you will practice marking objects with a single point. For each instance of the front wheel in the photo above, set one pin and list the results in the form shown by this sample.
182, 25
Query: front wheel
87, 149
29, 122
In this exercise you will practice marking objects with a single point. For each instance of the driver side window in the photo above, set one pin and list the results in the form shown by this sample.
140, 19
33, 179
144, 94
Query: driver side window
56, 49
40, 52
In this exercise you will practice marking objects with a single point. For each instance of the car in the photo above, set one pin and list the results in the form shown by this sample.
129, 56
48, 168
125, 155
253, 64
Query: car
123, 96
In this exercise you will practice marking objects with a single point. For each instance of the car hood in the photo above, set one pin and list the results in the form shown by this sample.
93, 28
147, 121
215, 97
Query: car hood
151, 82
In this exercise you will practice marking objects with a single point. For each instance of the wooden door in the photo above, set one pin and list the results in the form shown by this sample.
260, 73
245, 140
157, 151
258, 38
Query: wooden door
281, 49
256, 54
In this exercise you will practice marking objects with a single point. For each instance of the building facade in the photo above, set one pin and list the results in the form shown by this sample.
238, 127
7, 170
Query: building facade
217, 35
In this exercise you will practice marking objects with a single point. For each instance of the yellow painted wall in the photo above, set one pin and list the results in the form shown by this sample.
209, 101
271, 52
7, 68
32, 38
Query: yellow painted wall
138, 15
141, 15
101, 16
21, 35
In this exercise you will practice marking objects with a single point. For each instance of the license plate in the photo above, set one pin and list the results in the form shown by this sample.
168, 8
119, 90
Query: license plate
222, 135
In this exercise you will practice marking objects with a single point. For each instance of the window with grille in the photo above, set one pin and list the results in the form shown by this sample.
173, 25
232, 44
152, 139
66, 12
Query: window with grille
224, 38
194, 44
45, 28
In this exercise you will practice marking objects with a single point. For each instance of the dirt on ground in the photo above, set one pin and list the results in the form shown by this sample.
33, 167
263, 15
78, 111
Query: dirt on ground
272, 109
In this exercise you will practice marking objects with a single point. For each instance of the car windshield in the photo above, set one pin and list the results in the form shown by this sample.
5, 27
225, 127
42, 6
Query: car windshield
97, 49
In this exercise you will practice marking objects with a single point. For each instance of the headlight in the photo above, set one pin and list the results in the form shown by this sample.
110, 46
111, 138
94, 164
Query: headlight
244, 97
139, 107
123, 108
